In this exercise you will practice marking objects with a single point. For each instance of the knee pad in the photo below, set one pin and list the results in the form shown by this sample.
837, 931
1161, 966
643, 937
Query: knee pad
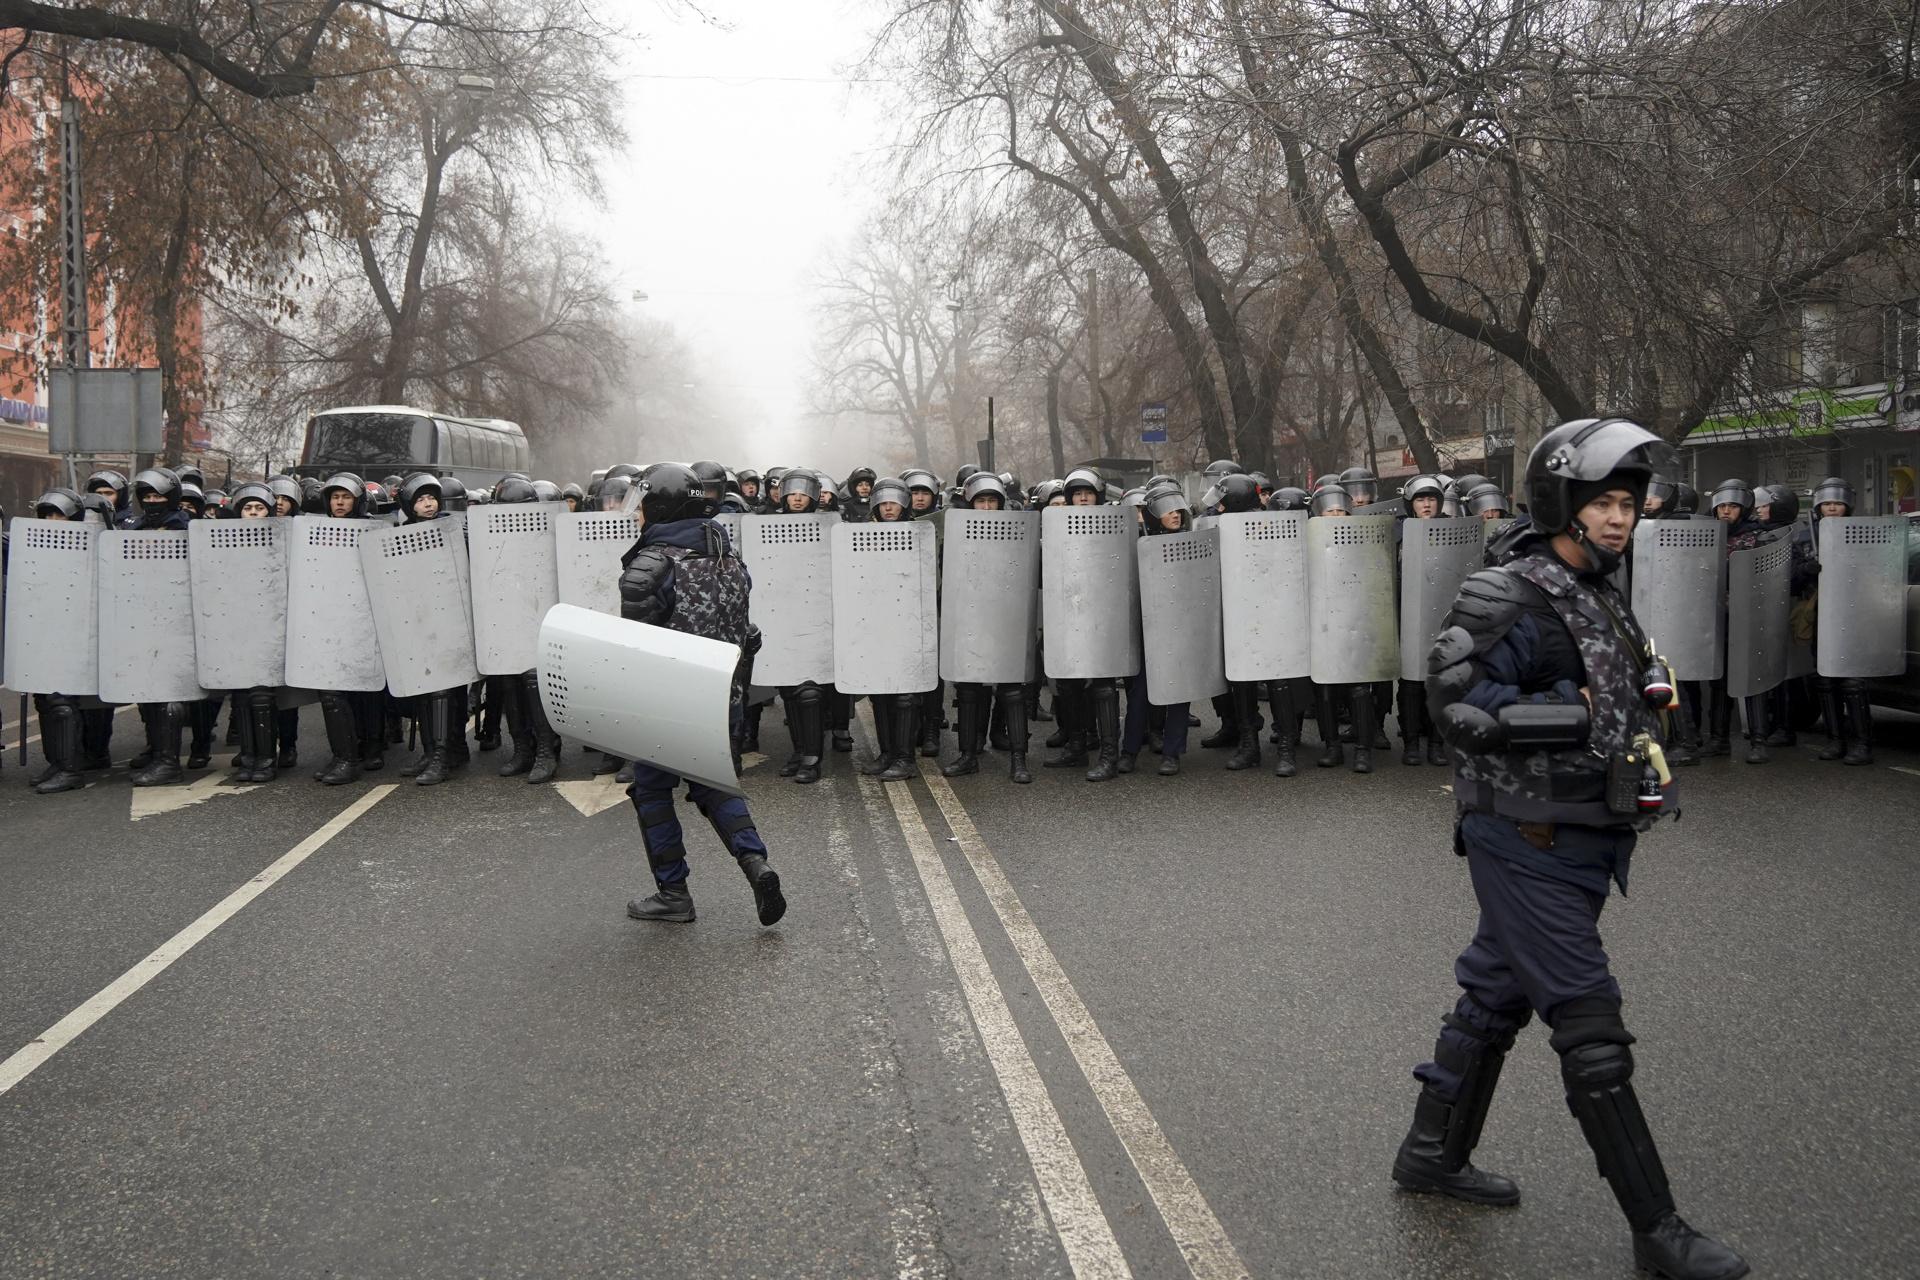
808, 695
1592, 1043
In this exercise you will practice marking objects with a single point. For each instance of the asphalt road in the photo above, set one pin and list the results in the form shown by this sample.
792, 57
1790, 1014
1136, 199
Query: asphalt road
1159, 1027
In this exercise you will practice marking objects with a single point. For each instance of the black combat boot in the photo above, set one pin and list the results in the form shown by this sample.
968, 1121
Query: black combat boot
60, 741
260, 720
751, 742
1718, 717
1859, 716
1684, 749
248, 761
546, 743
286, 731
1246, 754
1834, 718
1103, 703
336, 710
1363, 736
670, 904
968, 761
201, 715
1228, 734
1070, 705
1286, 727
933, 712
1013, 712
1332, 755
768, 901
370, 713
840, 724
1434, 1155
169, 720
413, 767
996, 720
492, 710
1412, 698
1756, 715
811, 732
436, 732
507, 691
1780, 717
883, 726
905, 715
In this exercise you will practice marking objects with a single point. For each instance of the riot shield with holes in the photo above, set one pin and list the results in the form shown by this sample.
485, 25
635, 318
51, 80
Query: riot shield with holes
1435, 558
515, 580
587, 549
1862, 628
640, 692
1263, 604
791, 559
1678, 569
1090, 592
239, 571
730, 524
331, 640
146, 648
1180, 616
989, 600
414, 588
53, 608
886, 608
1758, 642
1354, 636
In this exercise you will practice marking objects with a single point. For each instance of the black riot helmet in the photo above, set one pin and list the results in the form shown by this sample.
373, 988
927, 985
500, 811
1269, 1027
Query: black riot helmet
288, 489
1735, 492
61, 503
311, 502
1664, 489
735, 504
1162, 500
1686, 499
453, 493
1235, 491
108, 479
345, 482
713, 479
1046, 491
1782, 503
1222, 467
392, 483
412, 487
1487, 497
546, 491
1577, 455
1423, 486
252, 491
574, 496
804, 483
748, 476
1330, 497
1287, 498
966, 472
670, 491
217, 500
1466, 484
193, 475
920, 478
159, 484
984, 482
1832, 489
513, 489
1084, 478
1321, 482
621, 470
192, 499
1361, 485
889, 489
379, 498
613, 492
96, 506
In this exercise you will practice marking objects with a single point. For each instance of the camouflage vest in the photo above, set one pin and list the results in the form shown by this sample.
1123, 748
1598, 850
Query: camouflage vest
1570, 786
710, 589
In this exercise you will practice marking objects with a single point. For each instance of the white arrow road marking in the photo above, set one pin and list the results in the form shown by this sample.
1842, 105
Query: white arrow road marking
63, 1033
148, 801
594, 795
1900, 768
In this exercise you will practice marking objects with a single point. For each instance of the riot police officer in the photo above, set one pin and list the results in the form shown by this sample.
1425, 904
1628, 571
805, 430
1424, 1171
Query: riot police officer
1239, 707
1541, 684
1331, 502
857, 497
156, 505
1288, 699
60, 722
985, 491
1165, 511
536, 747
1843, 701
1089, 709
804, 703
355, 720
683, 574
442, 714
1423, 496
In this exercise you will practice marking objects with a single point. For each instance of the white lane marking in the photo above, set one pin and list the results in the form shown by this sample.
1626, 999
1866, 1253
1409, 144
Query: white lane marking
148, 801
596, 795
1203, 1242
62, 1033
1900, 768
1084, 1231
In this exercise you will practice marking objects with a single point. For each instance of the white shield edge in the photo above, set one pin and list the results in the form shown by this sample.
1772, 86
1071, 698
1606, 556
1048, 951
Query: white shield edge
53, 607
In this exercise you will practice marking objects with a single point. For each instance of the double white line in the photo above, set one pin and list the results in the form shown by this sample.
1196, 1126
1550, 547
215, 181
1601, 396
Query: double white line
1085, 1232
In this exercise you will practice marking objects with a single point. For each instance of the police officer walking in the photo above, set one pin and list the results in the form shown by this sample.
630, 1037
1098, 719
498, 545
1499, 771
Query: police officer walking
1541, 684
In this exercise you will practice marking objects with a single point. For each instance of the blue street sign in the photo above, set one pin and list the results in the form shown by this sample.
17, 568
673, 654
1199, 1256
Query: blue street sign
1153, 423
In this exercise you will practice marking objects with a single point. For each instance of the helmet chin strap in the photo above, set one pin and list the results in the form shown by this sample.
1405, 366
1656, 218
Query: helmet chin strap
1605, 559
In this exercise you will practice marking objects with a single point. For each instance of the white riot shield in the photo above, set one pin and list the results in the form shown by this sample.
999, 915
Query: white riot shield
1678, 568
419, 607
146, 652
1435, 558
640, 692
730, 522
515, 581
1354, 639
331, 640
239, 570
587, 549
1090, 592
1263, 605
53, 608
1863, 597
1180, 616
1758, 642
886, 608
791, 559
989, 599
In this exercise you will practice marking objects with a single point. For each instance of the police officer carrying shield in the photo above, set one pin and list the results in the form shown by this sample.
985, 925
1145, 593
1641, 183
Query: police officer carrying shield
156, 505
683, 574
1543, 685
442, 714
985, 491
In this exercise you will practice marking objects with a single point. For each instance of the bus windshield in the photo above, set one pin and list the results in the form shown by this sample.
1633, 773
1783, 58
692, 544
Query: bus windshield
362, 440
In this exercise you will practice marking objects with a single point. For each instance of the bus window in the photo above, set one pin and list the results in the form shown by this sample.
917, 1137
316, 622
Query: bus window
442, 444
365, 441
